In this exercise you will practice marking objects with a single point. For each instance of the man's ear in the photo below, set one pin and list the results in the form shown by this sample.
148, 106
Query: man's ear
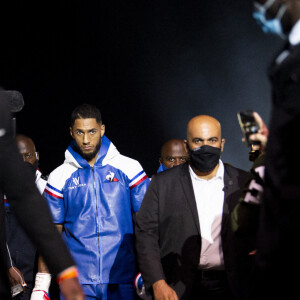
102, 130
222, 144
185, 145
71, 132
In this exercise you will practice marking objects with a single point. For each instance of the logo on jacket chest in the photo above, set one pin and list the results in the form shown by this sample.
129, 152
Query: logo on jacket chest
110, 177
76, 183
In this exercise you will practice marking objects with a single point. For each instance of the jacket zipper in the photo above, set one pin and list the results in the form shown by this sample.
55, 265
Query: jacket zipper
97, 215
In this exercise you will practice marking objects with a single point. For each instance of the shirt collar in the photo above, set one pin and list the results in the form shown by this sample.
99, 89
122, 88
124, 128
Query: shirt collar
294, 36
38, 175
219, 175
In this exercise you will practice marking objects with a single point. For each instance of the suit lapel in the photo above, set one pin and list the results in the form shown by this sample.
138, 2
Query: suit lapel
188, 191
229, 184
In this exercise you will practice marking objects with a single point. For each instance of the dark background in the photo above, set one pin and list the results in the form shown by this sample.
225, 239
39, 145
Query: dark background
150, 66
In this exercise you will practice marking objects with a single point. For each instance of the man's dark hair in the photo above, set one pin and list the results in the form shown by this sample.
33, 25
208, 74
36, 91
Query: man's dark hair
86, 111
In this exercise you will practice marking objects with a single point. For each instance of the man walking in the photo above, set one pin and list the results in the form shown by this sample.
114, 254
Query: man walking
92, 197
185, 244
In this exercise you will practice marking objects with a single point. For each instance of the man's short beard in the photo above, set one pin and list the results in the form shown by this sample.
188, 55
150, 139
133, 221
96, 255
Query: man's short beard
91, 155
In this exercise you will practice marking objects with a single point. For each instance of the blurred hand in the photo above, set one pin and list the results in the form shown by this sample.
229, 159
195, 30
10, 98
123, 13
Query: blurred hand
71, 289
16, 276
262, 135
162, 291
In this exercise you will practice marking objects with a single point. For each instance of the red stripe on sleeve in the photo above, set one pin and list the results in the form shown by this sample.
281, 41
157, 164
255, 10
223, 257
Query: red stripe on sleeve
53, 195
138, 182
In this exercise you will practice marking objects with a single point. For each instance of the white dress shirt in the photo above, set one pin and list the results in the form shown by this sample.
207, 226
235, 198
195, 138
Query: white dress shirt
209, 197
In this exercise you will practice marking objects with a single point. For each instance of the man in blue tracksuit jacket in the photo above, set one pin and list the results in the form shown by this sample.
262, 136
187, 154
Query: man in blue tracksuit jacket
92, 197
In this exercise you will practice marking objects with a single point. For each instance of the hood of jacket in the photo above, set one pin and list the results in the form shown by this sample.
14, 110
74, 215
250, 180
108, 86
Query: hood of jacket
107, 151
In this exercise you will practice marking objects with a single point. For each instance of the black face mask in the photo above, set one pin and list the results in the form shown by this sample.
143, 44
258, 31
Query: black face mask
204, 158
31, 167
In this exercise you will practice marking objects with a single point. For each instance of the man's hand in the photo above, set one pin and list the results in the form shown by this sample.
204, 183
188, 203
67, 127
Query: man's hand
71, 289
162, 291
16, 276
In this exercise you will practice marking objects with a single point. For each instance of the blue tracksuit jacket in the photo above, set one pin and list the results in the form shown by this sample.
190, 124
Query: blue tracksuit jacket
95, 205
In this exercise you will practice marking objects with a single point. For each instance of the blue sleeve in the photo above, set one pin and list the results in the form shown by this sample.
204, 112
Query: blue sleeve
55, 201
138, 186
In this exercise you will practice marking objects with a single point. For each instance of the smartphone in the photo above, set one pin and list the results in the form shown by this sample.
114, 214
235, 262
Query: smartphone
248, 126
16, 290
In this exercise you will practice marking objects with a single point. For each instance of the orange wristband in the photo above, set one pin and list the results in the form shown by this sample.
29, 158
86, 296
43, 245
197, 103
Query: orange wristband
71, 272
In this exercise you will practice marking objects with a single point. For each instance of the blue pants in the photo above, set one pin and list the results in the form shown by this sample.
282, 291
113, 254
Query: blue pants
108, 291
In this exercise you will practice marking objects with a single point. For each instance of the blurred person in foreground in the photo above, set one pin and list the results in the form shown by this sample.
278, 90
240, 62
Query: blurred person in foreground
279, 223
31, 210
22, 252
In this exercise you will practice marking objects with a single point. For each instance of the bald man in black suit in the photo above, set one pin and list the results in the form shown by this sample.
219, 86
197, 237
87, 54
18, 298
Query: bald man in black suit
186, 251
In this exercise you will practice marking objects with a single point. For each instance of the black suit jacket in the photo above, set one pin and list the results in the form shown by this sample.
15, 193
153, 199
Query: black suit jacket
168, 236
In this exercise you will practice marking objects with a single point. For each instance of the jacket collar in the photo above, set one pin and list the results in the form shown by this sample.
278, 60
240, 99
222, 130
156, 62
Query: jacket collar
294, 36
107, 151
38, 175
